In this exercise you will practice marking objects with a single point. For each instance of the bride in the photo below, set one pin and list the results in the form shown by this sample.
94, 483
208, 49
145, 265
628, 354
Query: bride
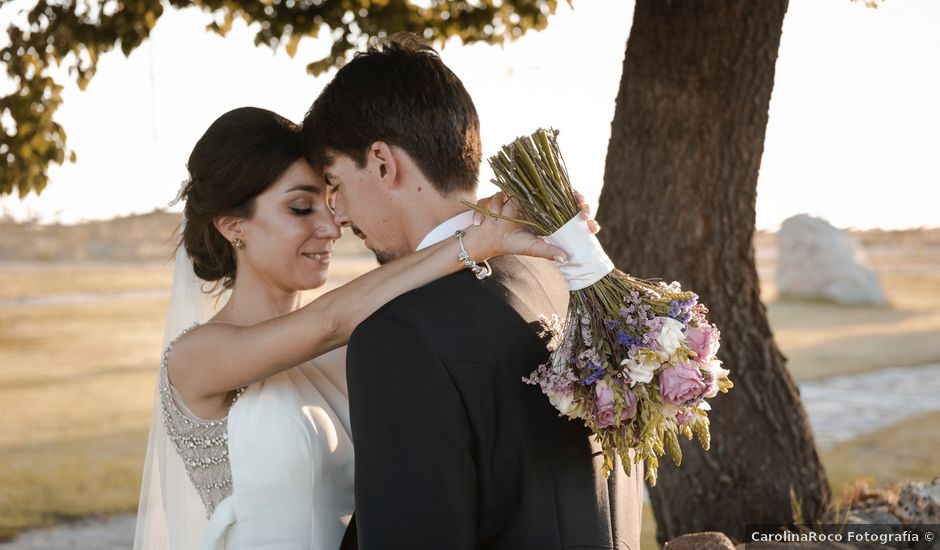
249, 442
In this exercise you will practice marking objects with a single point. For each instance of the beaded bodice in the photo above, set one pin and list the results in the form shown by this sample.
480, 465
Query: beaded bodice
201, 444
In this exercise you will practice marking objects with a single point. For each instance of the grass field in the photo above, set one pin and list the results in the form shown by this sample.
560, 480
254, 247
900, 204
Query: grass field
909, 451
77, 382
821, 339
76, 386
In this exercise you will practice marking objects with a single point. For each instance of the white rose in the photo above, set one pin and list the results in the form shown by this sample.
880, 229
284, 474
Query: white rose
716, 373
642, 370
671, 336
563, 401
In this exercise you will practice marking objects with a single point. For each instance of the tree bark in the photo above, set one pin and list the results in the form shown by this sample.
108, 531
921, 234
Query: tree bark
679, 203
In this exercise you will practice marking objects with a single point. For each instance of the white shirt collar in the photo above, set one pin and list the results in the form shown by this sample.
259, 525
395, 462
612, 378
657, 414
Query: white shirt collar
447, 229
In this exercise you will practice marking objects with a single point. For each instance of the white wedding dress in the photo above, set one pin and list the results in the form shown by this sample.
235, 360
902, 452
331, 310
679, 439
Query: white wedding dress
292, 464
277, 472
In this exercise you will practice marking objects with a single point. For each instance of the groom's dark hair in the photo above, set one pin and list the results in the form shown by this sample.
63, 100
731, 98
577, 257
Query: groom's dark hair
400, 92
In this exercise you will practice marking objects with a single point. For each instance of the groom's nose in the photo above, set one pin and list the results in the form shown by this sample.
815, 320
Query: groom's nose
340, 216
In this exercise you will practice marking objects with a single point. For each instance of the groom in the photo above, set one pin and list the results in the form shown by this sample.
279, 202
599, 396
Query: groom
453, 450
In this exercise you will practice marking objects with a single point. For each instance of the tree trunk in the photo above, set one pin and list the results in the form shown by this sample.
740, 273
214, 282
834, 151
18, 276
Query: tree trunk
679, 203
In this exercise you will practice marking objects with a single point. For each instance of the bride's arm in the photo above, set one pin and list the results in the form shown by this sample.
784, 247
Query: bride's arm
217, 358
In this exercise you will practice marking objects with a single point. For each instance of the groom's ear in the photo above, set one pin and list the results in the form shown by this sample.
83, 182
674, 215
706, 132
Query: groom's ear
386, 164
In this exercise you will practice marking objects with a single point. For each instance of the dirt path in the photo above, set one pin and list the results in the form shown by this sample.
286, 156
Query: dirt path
116, 533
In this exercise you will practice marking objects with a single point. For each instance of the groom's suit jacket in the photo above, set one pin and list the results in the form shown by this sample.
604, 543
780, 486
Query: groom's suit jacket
453, 450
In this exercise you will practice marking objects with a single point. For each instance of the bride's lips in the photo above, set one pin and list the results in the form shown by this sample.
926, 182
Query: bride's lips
323, 257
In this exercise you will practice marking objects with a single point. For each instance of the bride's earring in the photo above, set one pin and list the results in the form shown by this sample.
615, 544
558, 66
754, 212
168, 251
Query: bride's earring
238, 244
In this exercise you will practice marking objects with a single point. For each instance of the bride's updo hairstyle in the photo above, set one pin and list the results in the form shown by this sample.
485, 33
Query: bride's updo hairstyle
241, 154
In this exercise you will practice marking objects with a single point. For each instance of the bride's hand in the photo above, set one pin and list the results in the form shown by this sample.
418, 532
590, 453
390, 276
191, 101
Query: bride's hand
586, 214
506, 237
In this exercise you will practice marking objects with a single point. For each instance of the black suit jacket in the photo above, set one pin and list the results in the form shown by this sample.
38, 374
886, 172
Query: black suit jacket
453, 450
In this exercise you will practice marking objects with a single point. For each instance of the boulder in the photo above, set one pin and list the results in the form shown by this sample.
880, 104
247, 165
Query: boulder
817, 261
920, 503
919, 508
878, 524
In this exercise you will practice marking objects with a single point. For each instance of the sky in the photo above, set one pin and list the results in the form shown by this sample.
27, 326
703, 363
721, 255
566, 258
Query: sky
853, 133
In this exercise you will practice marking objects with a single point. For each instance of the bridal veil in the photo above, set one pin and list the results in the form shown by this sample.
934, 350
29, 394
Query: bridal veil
171, 514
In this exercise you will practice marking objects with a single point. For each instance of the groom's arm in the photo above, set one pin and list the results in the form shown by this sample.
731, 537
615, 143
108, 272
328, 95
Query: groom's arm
415, 478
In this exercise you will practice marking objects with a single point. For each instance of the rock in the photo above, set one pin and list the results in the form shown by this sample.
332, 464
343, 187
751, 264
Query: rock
920, 503
818, 261
871, 517
710, 540
919, 508
878, 524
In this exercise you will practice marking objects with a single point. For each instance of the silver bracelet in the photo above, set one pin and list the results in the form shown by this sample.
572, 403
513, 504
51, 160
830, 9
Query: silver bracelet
481, 272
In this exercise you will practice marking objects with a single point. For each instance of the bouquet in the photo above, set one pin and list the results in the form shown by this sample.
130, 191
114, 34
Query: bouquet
635, 359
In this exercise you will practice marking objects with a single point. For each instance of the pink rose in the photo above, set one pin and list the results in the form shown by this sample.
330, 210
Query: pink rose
605, 418
681, 383
605, 405
703, 340
605, 395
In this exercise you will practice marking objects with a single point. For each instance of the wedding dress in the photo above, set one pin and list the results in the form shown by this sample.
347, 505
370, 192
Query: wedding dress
276, 473
291, 463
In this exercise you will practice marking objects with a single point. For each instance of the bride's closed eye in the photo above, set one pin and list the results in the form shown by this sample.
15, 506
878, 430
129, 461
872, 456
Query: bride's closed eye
301, 211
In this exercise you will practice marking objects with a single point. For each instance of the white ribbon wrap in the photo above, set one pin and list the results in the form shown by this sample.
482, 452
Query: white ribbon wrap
587, 261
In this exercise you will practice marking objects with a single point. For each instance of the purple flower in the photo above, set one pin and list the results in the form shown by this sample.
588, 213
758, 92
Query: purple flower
586, 336
674, 309
626, 340
588, 356
651, 338
681, 384
597, 371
